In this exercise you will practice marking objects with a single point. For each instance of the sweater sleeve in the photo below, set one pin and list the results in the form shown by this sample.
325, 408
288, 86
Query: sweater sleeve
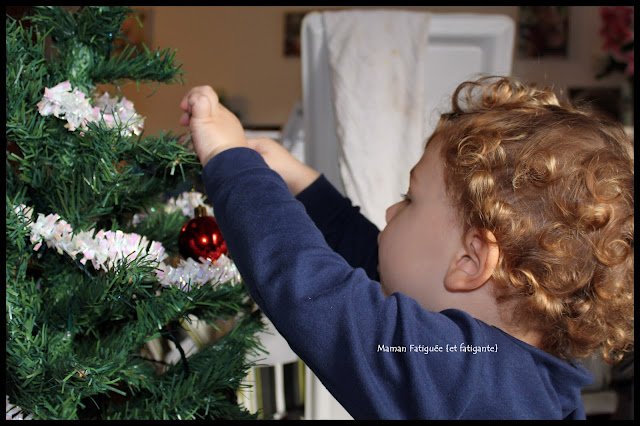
345, 229
380, 357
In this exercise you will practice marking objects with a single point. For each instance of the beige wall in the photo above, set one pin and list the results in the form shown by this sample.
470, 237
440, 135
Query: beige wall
239, 50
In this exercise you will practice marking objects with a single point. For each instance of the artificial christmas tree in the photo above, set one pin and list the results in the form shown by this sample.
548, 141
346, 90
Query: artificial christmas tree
95, 289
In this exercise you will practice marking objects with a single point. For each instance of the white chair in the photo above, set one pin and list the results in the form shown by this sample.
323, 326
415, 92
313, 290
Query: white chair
278, 354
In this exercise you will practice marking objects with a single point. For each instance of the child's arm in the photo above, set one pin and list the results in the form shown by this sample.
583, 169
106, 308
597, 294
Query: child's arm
297, 175
347, 232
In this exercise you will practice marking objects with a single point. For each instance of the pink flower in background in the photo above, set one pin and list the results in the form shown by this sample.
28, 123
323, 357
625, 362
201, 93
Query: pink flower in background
617, 34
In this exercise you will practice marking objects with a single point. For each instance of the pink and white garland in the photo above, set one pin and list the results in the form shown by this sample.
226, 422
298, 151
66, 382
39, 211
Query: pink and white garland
187, 203
106, 249
15, 413
73, 105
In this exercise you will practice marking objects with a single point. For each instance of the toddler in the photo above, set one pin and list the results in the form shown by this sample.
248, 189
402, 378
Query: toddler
510, 256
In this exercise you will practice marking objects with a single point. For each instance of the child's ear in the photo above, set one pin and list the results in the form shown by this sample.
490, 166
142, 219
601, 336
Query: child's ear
474, 263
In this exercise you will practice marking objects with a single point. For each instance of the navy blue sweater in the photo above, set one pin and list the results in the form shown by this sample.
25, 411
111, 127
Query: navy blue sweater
310, 264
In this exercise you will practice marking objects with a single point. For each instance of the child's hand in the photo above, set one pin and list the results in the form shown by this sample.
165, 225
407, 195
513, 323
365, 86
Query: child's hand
297, 175
213, 127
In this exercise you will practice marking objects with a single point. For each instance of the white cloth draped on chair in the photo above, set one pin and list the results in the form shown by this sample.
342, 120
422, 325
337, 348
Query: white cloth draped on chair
377, 64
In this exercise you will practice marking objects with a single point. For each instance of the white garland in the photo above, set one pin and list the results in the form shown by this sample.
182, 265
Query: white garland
15, 413
72, 105
189, 272
105, 249
187, 203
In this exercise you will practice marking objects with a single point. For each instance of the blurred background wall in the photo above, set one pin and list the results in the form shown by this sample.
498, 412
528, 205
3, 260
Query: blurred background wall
240, 51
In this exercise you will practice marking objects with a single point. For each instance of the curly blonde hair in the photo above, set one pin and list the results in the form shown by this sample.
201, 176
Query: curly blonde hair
554, 184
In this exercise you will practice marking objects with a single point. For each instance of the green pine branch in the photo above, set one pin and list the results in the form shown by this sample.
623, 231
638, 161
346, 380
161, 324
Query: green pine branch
76, 336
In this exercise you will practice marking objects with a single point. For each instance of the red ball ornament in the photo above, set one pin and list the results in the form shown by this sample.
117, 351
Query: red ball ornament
201, 237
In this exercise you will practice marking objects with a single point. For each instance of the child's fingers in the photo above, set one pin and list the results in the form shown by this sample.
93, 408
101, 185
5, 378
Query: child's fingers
199, 105
202, 97
185, 119
183, 103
